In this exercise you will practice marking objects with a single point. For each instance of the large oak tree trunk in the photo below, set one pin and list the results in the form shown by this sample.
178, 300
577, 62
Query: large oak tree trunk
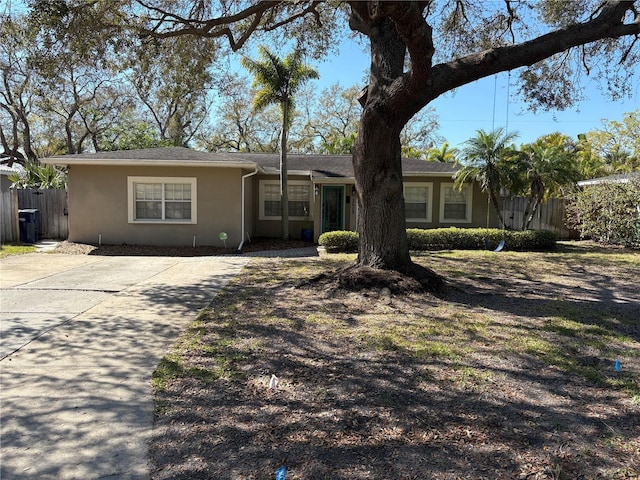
378, 174
377, 158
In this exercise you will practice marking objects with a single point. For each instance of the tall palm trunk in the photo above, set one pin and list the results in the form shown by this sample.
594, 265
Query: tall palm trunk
495, 201
535, 198
284, 186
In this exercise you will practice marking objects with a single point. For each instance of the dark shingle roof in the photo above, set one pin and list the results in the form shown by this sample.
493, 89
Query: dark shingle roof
320, 166
338, 165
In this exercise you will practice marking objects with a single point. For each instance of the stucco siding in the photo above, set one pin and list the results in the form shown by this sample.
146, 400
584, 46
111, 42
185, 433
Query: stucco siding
99, 206
271, 228
478, 205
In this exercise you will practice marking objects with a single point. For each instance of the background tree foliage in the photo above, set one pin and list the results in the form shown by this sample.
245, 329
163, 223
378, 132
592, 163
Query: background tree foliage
617, 143
79, 84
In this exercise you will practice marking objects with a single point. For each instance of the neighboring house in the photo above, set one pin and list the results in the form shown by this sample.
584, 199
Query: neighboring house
177, 196
5, 183
619, 178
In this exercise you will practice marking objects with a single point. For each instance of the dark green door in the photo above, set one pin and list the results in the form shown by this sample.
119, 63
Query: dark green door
332, 208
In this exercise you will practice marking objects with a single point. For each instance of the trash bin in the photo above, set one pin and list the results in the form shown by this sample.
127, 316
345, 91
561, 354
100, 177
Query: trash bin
307, 234
29, 225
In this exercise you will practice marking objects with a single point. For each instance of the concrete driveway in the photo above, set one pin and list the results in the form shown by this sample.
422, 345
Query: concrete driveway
80, 338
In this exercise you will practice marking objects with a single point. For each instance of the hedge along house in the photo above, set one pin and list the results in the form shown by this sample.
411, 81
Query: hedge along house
181, 197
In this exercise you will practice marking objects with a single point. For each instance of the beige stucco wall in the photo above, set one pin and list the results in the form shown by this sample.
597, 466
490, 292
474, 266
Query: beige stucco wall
272, 228
250, 193
98, 205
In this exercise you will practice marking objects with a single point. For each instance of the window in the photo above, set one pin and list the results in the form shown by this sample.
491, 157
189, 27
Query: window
455, 205
417, 202
299, 200
271, 200
162, 199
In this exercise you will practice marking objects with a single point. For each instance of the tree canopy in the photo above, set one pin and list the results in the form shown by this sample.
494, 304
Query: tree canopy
419, 51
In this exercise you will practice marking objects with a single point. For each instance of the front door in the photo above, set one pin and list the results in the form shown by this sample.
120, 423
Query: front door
332, 208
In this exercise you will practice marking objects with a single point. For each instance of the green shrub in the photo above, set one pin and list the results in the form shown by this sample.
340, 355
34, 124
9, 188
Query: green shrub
452, 239
339, 241
479, 238
609, 213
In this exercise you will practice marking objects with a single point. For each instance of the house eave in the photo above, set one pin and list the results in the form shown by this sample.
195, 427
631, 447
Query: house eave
276, 171
597, 181
146, 163
429, 174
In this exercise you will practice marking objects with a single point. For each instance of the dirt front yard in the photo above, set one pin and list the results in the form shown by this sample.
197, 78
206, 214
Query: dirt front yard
509, 374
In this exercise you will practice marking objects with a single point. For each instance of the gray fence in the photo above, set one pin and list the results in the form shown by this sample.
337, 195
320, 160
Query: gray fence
51, 203
551, 215
9, 216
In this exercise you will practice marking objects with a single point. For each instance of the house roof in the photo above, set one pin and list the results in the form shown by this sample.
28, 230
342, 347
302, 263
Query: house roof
4, 170
165, 156
338, 166
320, 167
620, 178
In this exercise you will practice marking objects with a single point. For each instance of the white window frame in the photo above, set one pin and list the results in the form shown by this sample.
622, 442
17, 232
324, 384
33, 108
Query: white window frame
261, 188
131, 199
469, 208
428, 214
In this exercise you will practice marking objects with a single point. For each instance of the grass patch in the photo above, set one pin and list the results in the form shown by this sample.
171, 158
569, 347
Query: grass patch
7, 250
508, 373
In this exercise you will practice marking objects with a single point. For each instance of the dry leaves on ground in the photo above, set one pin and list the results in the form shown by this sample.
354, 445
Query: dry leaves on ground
509, 374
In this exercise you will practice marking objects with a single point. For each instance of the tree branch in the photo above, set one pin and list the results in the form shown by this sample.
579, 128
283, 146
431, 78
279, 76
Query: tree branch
608, 24
310, 9
221, 26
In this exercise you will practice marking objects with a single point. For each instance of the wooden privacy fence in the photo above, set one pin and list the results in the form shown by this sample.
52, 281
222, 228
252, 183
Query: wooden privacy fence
52, 204
551, 215
9, 216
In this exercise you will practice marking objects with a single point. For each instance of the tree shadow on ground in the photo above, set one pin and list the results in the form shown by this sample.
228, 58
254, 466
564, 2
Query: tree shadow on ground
357, 401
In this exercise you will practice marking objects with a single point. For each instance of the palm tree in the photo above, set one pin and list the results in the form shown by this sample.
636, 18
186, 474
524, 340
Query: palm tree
278, 81
486, 160
546, 167
442, 154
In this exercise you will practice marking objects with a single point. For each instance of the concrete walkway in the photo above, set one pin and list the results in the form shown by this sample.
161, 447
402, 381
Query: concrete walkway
80, 338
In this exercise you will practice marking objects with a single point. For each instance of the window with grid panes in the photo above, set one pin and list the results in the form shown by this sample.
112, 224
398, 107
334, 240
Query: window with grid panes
417, 202
271, 200
162, 199
456, 204
299, 199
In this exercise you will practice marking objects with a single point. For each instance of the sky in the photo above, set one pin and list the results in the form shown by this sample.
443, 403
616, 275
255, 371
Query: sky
471, 107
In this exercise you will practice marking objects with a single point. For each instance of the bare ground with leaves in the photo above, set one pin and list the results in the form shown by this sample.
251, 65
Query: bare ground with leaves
507, 374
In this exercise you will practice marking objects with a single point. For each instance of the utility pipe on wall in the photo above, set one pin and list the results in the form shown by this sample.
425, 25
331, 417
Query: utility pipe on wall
244, 177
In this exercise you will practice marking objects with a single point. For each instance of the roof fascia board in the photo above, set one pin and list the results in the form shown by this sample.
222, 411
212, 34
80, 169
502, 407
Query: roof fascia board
147, 163
333, 180
429, 174
275, 171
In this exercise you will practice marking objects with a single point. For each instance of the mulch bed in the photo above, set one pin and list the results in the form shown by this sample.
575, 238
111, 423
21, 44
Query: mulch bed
255, 245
